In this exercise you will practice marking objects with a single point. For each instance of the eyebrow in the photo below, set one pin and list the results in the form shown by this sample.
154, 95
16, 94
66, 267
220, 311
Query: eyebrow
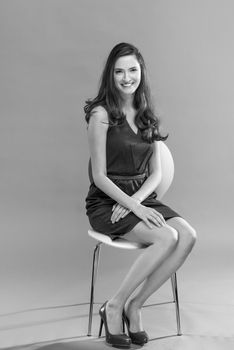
128, 68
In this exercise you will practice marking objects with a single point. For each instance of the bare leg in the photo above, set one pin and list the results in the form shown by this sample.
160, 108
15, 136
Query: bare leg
187, 237
162, 242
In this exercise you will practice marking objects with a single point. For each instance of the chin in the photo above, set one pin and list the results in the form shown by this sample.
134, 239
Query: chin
125, 92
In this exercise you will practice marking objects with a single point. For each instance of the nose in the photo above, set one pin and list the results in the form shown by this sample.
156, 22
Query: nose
126, 76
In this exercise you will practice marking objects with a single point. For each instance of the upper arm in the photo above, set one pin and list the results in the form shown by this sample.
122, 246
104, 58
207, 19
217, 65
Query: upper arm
97, 131
155, 160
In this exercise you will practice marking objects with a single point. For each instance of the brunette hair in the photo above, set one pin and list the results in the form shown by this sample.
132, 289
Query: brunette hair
109, 96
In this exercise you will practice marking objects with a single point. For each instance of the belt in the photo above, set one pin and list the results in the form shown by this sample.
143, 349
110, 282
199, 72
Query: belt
127, 177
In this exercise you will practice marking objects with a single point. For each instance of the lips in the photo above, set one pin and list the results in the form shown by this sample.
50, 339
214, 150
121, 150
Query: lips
127, 84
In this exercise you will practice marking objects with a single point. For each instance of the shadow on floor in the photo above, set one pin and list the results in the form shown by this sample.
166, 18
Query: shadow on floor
91, 344
77, 345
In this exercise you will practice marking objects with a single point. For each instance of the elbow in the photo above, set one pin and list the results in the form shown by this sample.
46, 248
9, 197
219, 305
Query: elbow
98, 179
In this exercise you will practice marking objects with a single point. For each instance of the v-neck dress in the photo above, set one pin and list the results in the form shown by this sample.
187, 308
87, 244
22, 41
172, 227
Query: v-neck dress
127, 160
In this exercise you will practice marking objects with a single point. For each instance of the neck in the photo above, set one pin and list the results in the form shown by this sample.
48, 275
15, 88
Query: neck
127, 102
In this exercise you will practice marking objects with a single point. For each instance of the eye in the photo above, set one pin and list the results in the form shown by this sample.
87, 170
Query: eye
134, 69
118, 71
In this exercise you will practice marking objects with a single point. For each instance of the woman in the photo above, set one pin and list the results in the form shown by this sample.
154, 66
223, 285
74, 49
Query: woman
123, 134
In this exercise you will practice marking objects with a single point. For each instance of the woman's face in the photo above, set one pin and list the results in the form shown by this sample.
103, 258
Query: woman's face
127, 74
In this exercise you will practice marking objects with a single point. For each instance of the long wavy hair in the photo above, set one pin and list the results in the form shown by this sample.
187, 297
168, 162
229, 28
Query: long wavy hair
110, 98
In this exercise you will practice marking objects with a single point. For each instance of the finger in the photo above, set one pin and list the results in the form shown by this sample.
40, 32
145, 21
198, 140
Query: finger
159, 217
156, 223
117, 210
122, 214
114, 206
156, 220
160, 221
162, 218
126, 213
117, 207
146, 221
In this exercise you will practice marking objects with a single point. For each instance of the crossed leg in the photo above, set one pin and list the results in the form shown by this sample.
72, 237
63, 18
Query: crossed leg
186, 241
161, 242
168, 247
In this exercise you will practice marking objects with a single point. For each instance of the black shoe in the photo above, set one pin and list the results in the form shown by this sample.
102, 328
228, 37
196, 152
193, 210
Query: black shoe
139, 338
116, 340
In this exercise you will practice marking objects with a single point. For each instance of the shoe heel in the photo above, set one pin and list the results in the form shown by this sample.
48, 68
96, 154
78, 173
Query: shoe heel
123, 325
139, 338
100, 328
116, 340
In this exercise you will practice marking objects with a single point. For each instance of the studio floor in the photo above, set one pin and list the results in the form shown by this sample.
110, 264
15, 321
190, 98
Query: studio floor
206, 306
205, 326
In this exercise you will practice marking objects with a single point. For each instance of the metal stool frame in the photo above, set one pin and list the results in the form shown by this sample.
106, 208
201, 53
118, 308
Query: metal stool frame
96, 257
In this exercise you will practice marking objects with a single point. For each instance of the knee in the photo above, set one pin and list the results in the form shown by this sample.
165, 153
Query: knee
189, 236
192, 236
169, 236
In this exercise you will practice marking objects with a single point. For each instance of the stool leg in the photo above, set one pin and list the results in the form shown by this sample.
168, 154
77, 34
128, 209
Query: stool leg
176, 300
96, 253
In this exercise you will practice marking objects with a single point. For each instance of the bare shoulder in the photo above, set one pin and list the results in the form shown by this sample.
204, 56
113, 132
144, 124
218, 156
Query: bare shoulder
100, 114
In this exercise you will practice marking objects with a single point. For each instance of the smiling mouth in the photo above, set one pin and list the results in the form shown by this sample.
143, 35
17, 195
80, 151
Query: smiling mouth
127, 84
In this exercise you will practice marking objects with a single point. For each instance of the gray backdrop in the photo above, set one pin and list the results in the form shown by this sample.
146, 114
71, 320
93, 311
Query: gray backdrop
52, 54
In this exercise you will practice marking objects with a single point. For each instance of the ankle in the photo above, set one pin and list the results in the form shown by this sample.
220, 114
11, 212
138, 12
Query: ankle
115, 305
134, 305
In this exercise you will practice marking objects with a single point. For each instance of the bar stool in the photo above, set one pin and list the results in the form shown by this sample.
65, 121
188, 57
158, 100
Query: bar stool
167, 165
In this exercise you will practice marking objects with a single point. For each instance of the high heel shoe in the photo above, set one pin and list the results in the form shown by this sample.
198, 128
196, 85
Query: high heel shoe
116, 340
139, 338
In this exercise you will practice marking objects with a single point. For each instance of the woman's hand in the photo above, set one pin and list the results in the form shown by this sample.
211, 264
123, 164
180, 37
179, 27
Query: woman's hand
119, 212
149, 215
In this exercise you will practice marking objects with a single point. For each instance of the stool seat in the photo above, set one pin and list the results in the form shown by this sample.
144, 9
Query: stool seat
117, 243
